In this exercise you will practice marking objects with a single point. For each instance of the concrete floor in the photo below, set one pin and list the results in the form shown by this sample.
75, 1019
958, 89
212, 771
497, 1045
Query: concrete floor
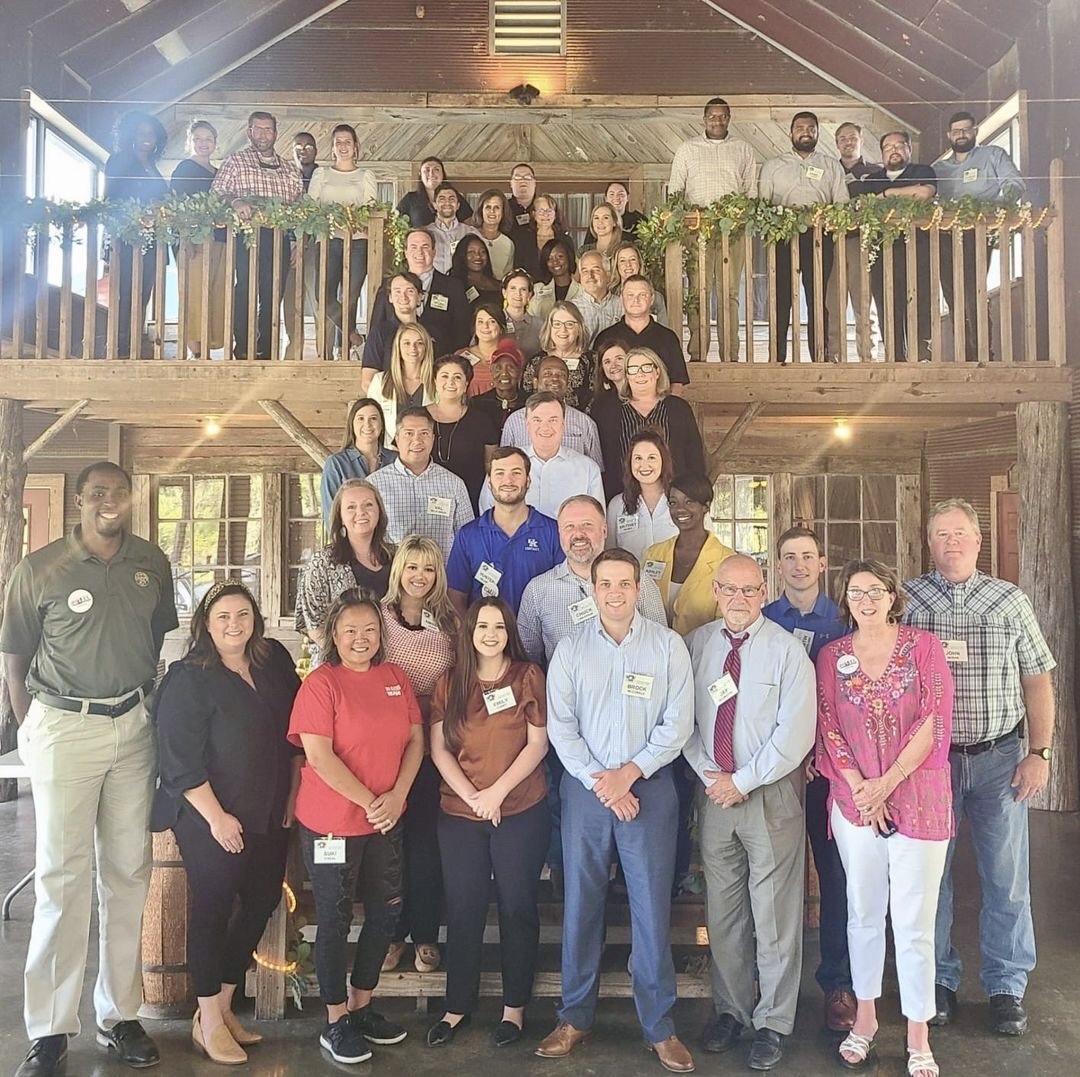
1050, 1049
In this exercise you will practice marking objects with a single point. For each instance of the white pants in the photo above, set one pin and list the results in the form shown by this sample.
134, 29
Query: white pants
902, 876
93, 781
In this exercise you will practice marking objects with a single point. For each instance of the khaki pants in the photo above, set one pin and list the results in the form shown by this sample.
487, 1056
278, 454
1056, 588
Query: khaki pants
865, 323
93, 781
714, 285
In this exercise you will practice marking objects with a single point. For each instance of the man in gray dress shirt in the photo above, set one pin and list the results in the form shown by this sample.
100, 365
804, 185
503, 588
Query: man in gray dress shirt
754, 711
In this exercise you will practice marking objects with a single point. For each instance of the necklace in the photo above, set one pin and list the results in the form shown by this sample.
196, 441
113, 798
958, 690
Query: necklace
487, 686
444, 456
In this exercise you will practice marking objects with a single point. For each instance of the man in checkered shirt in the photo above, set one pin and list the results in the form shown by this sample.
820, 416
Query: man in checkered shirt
1001, 667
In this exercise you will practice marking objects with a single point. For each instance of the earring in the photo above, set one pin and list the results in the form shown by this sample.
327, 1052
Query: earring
344, 531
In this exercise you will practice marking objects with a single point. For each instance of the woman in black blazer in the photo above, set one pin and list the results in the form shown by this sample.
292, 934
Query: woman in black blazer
227, 789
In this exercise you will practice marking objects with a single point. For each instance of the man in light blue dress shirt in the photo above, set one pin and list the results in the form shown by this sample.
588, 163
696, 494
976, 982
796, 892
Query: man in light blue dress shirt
753, 846
620, 704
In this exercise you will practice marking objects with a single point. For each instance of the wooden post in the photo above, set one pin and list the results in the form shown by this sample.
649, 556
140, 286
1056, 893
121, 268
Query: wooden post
50, 432
12, 482
909, 532
296, 430
673, 285
733, 436
1055, 265
1046, 575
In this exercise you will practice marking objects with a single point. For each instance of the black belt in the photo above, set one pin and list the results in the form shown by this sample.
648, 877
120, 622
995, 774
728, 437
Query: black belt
984, 745
104, 710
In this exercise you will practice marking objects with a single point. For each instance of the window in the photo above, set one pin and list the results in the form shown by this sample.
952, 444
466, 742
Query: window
210, 527
527, 27
306, 533
740, 515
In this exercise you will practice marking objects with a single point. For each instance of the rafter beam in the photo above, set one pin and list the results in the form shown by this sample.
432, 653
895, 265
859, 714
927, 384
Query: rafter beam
296, 430
58, 427
734, 436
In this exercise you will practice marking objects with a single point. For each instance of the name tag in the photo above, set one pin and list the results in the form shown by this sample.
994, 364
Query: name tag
805, 637
522, 218
637, 686
955, 650
654, 569
329, 850
80, 601
585, 610
471, 293
722, 690
439, 302
393, 690
847, 664
499, 699
439, 506
970, 175
488, 575
628, 523
815, 172
427, 620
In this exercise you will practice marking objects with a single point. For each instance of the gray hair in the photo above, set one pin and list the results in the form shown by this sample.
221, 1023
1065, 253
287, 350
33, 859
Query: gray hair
948, 505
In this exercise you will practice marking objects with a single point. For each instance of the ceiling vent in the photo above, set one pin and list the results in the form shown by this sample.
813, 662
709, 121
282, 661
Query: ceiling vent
527, 27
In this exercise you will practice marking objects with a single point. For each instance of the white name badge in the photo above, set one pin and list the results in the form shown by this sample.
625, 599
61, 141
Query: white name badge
585, 610
80, 601
805, 637
628, 523
488, 575
970, 175
393, 690
654, 569
471, 293
637, 686
329, 850
815, 172
439, 506
499, 699
427, 620
522, 218
847, 664
439, 302
722, 690
955, 650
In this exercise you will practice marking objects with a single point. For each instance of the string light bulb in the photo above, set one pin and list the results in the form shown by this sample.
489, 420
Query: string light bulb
211, 427
287, 967
841, 429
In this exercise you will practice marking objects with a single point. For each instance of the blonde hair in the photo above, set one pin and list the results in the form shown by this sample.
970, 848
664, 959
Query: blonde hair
437, 600
398, 393
564, 306
663, 381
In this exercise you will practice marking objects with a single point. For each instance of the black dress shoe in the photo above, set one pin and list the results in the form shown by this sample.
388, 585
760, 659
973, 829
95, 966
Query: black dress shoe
721, 1034
1007, 1015
442, 1032
45, 1057
946, 1006
131, 1044
766, 1050
506, 1033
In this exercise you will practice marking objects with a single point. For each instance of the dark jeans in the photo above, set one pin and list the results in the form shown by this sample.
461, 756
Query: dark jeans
265, 303
341, 313
904, 350
554, 771
421, 910
686, 783
968, 307
814, 332
372, 874
834, 971
121, 258
473, 851
222, 931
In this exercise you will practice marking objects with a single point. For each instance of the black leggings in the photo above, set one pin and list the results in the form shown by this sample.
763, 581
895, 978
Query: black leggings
223, 931
421, 910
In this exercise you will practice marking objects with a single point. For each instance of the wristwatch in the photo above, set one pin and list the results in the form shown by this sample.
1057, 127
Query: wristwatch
1042, 753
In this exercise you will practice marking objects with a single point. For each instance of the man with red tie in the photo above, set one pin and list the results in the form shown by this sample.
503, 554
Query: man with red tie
754, 716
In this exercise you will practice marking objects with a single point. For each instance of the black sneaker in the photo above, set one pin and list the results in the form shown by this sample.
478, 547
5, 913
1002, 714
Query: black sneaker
344, 1042
45, 1057
375, 1028
131, 1043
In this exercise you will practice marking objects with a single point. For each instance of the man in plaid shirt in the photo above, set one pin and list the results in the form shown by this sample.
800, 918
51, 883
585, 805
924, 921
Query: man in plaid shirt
1001, 667
257, 172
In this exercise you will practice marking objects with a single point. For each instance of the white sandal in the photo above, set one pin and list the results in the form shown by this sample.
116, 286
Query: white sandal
860, 1046
921, 1062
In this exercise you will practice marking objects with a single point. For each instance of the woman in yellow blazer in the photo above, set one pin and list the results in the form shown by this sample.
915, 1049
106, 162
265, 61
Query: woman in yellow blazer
683, 567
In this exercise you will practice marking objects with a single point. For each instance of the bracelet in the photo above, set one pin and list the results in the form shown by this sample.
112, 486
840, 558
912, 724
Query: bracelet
900, 766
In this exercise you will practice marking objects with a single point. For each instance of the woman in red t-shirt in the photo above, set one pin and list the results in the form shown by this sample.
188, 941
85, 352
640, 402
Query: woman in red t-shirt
489, 739
358, 721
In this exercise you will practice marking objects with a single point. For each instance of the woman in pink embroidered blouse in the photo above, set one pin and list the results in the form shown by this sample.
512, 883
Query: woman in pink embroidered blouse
884, 722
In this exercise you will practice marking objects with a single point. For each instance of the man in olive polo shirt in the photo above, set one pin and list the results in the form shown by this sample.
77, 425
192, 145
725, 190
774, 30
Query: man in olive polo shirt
84, 620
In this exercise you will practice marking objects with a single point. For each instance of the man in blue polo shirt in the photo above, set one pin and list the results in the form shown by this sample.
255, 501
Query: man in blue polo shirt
812, 617
507, 546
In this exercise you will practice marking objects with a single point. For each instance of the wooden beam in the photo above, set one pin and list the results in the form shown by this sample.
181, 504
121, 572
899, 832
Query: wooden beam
734, 435
58, 427
296, 430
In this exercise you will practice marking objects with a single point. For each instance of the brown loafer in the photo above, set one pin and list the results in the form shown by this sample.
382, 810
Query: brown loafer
840, 1007
673, 1055
560, 1042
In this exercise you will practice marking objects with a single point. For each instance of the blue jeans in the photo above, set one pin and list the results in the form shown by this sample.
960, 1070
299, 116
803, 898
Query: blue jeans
999, 831
834, 971
646, 848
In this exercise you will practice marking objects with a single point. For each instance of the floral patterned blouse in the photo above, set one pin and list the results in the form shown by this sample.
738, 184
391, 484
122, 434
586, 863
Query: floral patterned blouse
864, 724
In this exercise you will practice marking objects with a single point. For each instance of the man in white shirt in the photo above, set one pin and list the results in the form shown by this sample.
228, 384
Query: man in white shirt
556, 472
754, 722
447, 230
599, 308
705, 169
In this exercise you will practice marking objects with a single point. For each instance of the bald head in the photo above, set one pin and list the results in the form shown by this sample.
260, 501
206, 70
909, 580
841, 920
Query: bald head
739, 589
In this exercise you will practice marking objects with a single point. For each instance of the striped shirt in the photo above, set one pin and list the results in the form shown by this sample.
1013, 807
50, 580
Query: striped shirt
994, 621
706, 169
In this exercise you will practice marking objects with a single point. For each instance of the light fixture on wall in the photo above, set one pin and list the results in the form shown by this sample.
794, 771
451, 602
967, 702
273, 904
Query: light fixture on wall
211, 427
524, 94
841, 429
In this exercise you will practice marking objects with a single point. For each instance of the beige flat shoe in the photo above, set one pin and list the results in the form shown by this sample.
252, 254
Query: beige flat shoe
394, 954
222, 1048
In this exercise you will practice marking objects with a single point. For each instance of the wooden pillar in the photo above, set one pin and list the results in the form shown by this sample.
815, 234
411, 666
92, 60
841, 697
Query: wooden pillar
1046, 575
12, 483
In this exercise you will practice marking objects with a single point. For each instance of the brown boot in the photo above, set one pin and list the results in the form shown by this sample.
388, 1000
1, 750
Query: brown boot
243, 1036
560, 1042
673, 1055
221, 1047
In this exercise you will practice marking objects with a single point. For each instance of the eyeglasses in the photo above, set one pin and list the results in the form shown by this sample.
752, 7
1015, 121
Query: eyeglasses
730, 590
558, 324
641, 368
544, 211
875, 594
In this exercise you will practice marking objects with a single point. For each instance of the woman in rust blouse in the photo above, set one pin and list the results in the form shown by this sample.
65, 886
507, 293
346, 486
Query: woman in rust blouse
488, 739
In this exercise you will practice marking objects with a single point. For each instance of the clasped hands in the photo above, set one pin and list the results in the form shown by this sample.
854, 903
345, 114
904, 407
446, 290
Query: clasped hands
385, 810
486, 804
723, 791
612, 789
870, 796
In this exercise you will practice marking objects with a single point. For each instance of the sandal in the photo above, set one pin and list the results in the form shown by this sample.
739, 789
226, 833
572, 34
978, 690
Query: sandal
860, 1046
921, 1062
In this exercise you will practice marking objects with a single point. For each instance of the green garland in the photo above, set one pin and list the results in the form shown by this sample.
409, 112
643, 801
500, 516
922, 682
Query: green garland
193, 218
